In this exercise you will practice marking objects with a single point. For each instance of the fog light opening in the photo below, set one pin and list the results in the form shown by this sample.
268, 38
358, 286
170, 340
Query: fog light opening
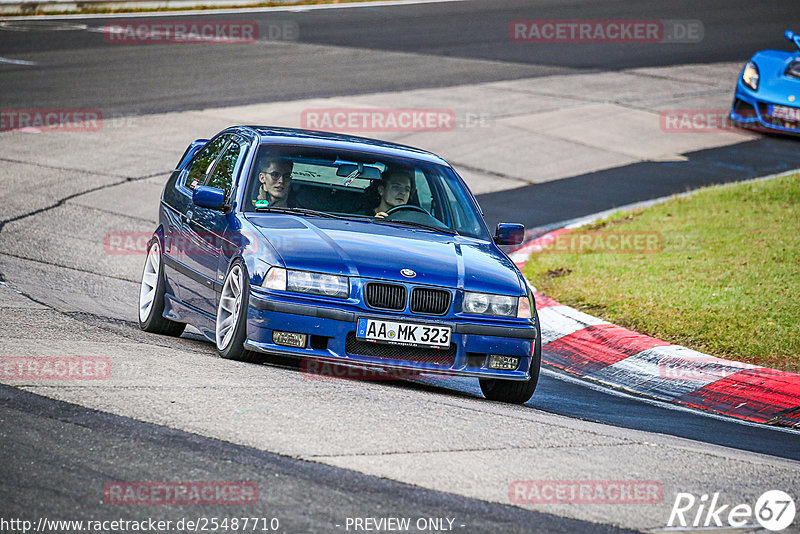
289, 339
319, 342
503, 363
476, 360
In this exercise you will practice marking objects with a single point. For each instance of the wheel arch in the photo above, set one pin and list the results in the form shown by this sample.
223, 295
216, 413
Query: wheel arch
159, 234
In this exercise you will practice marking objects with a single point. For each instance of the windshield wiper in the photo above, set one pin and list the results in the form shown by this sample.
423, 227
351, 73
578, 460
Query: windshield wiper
419, 225
298, 211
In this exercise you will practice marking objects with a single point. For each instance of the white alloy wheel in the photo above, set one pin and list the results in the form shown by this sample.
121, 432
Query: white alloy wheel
147, 293
230, 305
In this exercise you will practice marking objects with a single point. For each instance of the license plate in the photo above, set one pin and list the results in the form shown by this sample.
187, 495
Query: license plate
784, 112
399, 333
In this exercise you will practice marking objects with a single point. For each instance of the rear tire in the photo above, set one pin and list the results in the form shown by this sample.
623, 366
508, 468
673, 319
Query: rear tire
231, 323
151, 296
516, 391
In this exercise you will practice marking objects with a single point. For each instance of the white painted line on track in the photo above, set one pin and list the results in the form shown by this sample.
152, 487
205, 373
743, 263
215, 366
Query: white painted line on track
230, 11
562, 321
668, 372
660, 404
26, 24
10, 61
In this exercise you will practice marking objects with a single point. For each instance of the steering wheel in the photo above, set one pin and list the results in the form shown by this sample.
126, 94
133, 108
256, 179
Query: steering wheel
410, 207
415, 215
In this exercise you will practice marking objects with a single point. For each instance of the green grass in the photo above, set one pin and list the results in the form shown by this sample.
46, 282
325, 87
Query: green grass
727, 281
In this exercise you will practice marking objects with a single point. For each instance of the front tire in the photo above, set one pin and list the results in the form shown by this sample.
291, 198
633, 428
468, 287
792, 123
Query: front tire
516, 391
231, 323
151, 296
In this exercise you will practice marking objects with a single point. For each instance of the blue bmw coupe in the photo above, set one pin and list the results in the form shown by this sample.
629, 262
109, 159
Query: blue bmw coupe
767, 95
339, 249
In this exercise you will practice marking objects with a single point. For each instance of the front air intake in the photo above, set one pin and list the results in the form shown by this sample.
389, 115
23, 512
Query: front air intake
793, 70
385, 296
428, 301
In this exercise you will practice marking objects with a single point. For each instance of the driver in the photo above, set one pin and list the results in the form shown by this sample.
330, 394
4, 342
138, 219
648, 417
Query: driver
276, 182
394, 189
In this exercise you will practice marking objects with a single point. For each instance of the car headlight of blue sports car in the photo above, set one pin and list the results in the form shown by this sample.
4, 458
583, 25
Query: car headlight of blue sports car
750, 75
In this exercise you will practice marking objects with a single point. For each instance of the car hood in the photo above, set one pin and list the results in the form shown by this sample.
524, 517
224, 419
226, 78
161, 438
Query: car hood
380, 251
774, 85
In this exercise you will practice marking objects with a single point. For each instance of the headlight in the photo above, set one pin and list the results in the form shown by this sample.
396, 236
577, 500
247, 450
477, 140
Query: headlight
275, 279
328, 285
750, 76
524, 309
488, 304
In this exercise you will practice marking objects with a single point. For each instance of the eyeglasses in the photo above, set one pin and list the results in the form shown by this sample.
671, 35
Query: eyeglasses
275, 175
399, 188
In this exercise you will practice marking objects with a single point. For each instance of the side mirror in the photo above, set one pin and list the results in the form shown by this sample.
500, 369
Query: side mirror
793, 37
209, 197
509, 234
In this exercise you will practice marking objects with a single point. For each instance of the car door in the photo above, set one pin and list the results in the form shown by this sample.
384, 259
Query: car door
180, 240
210, 229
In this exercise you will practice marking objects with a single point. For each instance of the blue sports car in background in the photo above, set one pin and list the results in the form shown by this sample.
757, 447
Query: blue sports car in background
339, 249
767, 95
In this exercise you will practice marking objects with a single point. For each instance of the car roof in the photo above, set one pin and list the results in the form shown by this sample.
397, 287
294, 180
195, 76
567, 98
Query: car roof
311, 138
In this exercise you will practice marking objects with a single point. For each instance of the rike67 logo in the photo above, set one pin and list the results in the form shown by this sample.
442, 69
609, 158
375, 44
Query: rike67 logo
774, 510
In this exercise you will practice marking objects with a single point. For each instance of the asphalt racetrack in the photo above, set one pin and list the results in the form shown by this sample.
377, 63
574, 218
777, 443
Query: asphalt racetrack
323, 452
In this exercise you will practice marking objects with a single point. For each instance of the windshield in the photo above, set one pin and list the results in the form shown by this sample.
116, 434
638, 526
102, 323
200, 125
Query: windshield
356, 185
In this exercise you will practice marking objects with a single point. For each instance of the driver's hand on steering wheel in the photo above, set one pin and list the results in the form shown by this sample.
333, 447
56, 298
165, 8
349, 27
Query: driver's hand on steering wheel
381, 215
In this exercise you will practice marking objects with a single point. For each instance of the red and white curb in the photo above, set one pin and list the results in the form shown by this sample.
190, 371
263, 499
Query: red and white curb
597, 350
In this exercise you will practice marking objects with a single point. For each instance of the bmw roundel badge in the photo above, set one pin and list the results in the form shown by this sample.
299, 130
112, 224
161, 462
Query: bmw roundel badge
408, 273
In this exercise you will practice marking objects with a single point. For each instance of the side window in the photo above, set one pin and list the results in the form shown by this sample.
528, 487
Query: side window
203, 160
222, 178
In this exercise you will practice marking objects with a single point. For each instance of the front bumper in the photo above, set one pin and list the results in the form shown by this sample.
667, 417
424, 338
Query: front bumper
752, 113
330, 329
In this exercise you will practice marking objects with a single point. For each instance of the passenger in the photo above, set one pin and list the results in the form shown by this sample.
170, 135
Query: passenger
276, 182
394, 189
